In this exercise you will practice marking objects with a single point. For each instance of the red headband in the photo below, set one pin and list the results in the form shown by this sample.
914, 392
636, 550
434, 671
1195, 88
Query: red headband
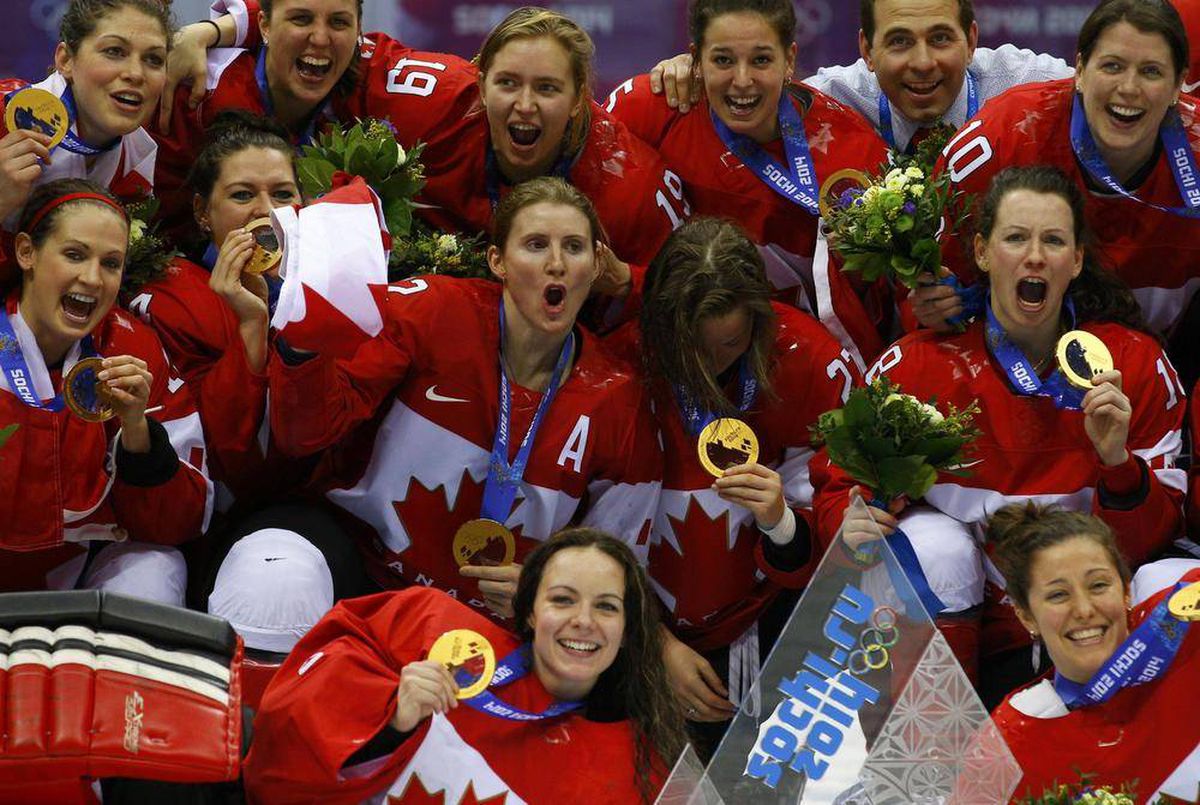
49, 206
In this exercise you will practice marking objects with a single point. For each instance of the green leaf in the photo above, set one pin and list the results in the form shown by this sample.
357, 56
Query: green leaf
7, 432
878, 447
902, 475
937, 450
858, 412
398, 214
903, 223
358, 160
315, 176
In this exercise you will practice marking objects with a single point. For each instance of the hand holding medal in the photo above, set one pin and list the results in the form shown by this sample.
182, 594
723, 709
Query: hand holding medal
1087, 364
25, 150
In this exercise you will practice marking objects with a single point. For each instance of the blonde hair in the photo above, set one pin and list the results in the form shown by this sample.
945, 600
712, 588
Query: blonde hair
533, 22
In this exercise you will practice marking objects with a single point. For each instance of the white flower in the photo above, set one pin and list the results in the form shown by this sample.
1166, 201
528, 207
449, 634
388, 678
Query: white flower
913, 172
447, 244
896, 181
931, 413
137, 229
871, 193
915, 190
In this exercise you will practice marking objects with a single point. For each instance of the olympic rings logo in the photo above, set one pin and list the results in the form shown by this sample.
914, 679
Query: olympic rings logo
874, 642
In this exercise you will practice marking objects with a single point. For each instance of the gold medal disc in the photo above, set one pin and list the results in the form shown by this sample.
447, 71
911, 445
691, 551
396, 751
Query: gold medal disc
838, 183
726, 443
484, 542
38, 110
86, 396
1185, 604
266, 253
1082, 356
469, 658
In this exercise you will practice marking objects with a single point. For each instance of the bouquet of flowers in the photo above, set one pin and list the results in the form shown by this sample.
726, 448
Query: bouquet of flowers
894, 443
888, 226
369, 149
1084, 793
148, 256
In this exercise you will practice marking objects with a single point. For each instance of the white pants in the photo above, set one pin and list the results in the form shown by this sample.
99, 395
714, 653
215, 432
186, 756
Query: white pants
137, 569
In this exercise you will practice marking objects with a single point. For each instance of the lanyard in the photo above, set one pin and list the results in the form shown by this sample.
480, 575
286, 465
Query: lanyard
16, 370
1020, 372
491, 168
503, 479
1145, 655
797, 181
885, 110
695, 419
1179, 156
508, 670
70, 140
310, 125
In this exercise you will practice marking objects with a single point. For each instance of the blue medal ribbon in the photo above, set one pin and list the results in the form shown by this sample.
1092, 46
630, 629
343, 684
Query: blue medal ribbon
503, 479
1179, 156
71, 140
1145, 655
797, 181
906, 557
16, 370
1020, 372
695, 419
310, 125
508, 670
274, 283
971, 297
885, 111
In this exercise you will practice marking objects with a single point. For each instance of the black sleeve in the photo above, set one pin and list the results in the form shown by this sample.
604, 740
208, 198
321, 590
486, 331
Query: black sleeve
151, 468
387, 741
793, 556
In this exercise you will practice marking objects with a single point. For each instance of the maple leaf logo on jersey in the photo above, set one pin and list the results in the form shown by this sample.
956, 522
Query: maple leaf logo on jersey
697, 559
415, 793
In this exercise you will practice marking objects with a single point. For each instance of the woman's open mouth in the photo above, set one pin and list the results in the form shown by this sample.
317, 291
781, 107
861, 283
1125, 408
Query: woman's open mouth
77, 307
1031, 293
742, 107
1124, 115
523, 134
555, 297
314, 68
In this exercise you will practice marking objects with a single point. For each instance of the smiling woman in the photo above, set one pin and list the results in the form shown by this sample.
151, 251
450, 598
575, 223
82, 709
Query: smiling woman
84, 120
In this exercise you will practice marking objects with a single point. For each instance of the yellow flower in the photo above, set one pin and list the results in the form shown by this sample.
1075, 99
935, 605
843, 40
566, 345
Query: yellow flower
137, 230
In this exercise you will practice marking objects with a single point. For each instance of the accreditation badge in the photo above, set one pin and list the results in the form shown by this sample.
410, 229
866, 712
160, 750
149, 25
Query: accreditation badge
1185, 604
484, 542
86, 396
837, 184
1082, 356
35, 109
266, 252
469, 658
725, 443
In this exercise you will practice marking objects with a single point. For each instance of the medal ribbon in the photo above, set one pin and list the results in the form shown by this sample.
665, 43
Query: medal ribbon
885, 110
971, 297
260, 78
1145, 655
1020, 372
16, 370
503, 479
70, 140
509, 670
1179, 156
695, 419
797, 182
906, 556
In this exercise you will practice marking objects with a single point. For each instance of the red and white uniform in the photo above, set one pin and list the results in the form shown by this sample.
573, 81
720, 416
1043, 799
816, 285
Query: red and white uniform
1193, 507
127, 169
337, 690
200, 333
706, 554
1155, 253
434, 98
1141, 734
57, 484
796, 255
1029, 449
410, 420
1189, 12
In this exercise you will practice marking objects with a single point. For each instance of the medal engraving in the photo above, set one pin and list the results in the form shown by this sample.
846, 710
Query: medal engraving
86, 396
484, 542
1081, 356
37, 110
266, 253
469, 658
725, 443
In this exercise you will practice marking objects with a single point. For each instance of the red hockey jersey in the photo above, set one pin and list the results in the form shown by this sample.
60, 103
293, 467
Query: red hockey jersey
57, 484
410, 420
337, 690
434, 98
718, 183
1140, 735
706, 559
1189, 12
1156, 253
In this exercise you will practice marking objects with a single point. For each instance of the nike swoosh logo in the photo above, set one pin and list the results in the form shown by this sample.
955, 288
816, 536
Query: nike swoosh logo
965, 466
1191, 87
432, 395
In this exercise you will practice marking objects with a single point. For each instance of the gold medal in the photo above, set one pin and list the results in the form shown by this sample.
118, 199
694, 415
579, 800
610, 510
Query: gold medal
87, 397
484, 542
38, 110
838, 183
1082, 356
266, 247
469, 658
1185, 604
726, 443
